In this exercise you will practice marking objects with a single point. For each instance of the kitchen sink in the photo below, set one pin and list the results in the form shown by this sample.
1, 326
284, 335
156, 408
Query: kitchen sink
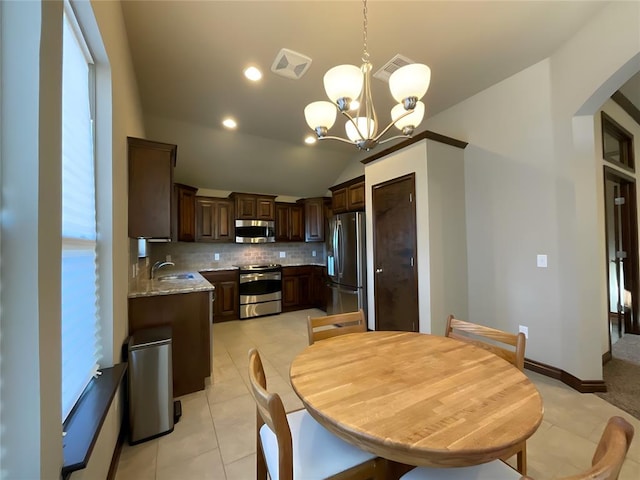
178, 276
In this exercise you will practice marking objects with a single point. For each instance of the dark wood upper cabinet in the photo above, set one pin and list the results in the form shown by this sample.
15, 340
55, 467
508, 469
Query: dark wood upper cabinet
289, 222
214, 219
339, 200
355, 196
348, 196
250, 206
314, 218
151, 167
184, 198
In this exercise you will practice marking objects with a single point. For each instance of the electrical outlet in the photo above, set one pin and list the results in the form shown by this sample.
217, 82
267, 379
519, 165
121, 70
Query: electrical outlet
216, 256
283, 254
525, 330
313, 253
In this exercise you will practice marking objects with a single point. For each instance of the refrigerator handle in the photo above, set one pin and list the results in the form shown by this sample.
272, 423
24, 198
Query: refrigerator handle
340, 248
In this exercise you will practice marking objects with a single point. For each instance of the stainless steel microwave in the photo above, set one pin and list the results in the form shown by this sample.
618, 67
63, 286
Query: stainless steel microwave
255, 231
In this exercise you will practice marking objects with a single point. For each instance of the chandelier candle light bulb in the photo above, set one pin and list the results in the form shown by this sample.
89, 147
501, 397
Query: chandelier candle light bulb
347, 84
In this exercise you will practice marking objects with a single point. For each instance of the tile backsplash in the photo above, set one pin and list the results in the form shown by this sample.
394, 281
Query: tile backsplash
201, 256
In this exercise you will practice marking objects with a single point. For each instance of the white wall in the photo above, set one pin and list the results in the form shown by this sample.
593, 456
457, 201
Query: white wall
31, 221
447, 234
531, 186
438, 173
209, 158
31, 245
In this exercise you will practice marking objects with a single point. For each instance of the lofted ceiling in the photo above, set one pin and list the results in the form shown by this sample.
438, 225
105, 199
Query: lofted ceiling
189, 57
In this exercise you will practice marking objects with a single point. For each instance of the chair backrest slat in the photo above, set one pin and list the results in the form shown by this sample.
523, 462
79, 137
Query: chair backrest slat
321, 328
476, 334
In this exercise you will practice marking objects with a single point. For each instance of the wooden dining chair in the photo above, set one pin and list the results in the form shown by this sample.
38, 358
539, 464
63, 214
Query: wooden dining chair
333, 325
294, 446
605, 465
509, 346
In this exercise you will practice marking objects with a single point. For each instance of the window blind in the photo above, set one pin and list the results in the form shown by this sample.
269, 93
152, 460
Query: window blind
80, 326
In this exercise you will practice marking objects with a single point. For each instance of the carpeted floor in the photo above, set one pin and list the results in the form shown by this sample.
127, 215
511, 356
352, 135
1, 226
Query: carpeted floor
622, 375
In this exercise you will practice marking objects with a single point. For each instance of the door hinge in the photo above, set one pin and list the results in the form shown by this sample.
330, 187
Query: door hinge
621, 254
619, 201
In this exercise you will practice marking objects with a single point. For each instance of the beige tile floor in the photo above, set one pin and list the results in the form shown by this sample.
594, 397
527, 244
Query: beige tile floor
215, 438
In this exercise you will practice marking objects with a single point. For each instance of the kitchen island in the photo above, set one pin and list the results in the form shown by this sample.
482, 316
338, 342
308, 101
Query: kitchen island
183, 303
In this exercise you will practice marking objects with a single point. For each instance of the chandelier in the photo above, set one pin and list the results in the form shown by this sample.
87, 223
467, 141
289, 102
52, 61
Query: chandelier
346, 84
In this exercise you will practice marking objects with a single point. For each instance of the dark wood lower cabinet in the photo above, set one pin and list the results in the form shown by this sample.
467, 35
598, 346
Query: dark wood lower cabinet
226, 305
319, 288
303, 287
188, 316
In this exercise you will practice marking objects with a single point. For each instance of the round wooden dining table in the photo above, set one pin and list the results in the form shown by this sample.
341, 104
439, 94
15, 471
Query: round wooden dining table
418, 399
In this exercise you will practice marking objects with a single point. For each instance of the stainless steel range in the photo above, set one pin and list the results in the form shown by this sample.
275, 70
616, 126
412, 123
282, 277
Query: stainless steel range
260, 290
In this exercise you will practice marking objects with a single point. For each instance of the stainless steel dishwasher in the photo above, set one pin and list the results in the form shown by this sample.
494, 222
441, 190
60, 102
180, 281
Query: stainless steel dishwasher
151, 406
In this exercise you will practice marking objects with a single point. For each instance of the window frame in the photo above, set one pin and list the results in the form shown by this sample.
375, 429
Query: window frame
613, 129
79, 243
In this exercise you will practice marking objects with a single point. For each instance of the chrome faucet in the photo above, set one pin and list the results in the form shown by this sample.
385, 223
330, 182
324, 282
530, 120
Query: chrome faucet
157, 266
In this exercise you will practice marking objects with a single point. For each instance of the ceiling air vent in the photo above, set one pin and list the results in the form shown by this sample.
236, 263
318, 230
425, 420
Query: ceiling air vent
290, 64
391, 66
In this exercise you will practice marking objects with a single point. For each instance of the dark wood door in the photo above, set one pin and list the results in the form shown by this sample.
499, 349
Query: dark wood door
622, 253
395, 255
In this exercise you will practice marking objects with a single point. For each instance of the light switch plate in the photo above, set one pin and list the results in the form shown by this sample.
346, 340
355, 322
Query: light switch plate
313, 253
216, 256
541, 261
283, 254
525, 330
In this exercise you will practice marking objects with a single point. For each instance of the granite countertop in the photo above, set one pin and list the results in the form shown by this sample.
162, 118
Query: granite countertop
218, 269
144, 287
147, 287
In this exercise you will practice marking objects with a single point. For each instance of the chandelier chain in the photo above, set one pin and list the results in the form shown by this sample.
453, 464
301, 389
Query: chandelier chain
365, 21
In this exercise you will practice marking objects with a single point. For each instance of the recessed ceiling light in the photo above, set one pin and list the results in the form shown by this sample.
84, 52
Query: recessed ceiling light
229, 123
252, 73
310, 140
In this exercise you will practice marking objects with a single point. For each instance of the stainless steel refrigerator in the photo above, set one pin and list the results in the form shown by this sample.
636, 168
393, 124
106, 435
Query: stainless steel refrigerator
346, 263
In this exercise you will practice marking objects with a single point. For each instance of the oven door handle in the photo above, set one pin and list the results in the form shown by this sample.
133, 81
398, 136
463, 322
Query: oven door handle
255, 277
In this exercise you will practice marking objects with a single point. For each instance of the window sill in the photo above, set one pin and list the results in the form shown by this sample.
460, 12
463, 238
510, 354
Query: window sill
85, 421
